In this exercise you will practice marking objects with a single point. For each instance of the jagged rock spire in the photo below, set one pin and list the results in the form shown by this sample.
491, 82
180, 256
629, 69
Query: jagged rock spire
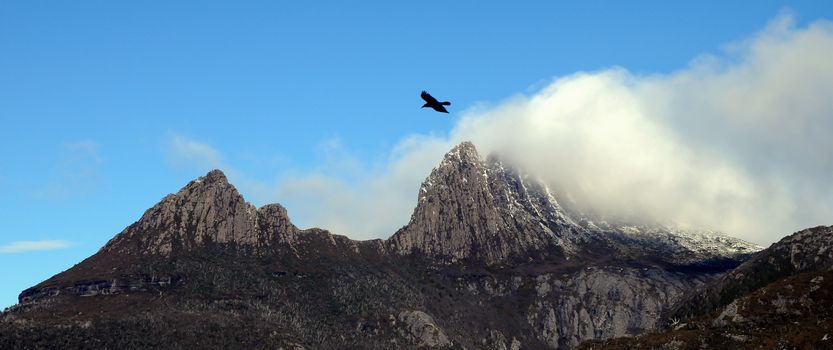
469, 208
208, 209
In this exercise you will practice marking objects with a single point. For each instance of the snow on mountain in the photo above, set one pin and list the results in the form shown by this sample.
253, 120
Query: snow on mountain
471, 207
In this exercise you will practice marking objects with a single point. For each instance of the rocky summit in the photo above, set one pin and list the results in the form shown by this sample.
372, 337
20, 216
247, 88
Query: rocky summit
476, 210
490, 259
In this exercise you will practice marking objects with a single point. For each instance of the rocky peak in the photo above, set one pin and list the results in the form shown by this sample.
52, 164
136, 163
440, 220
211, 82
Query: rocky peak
462, 155
274, 223
214, 176
461, 168
208, 209
469, 208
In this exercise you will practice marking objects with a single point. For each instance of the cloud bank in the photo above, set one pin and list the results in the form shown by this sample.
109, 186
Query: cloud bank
27, 246
740, 142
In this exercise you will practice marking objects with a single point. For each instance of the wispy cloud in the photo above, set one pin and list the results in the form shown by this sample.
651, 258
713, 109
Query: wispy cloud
77, 173
372, 202
28, 246
184, 152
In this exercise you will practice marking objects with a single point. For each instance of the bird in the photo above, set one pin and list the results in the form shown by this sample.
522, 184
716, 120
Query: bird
432, 102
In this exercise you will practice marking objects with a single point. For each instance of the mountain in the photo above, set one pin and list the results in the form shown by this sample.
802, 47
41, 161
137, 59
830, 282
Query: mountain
476, 210
780, 298
471, 209
490, 259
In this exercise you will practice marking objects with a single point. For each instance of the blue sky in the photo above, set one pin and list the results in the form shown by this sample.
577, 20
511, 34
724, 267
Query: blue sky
108, 107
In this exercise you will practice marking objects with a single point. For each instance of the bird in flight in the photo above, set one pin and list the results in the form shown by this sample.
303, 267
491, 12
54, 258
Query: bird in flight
432, 102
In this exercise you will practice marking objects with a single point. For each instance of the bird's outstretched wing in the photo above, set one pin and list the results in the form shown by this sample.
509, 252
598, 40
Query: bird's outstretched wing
428, 98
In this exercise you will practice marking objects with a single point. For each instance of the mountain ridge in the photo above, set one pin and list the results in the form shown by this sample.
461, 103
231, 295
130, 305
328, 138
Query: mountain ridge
467, 207
489, 259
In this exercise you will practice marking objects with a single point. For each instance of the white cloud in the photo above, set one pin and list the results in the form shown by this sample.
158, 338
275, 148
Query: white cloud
371, 203
27, 246
741, 142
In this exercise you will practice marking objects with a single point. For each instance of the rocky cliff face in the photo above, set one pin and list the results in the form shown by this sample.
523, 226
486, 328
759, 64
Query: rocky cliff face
781, 298
490, 259
560, 310
808, 250
208, 209
469, 208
